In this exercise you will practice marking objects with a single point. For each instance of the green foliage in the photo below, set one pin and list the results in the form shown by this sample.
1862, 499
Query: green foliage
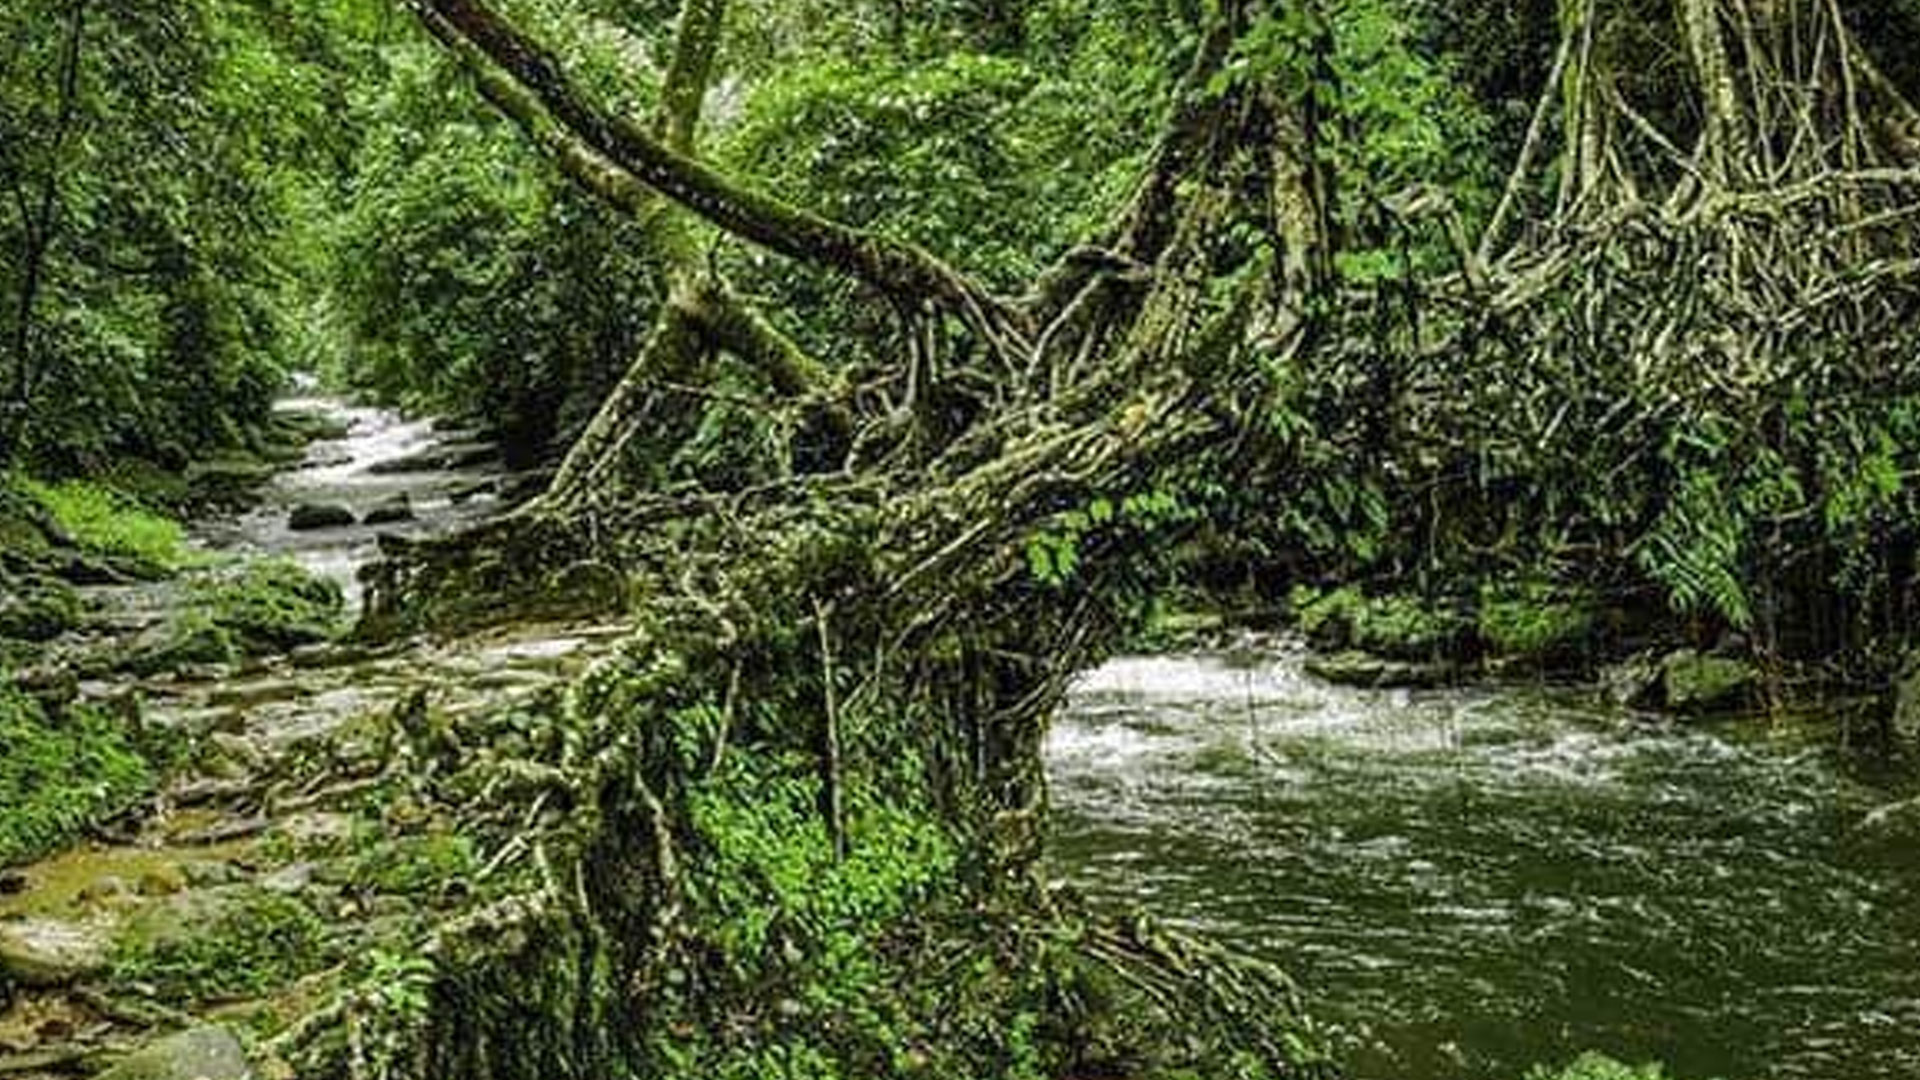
155, 155
1533, 619
107, 522
256, 941
1694, 549
1054, 551
993, 162
469, 276
60, 775
1395, 626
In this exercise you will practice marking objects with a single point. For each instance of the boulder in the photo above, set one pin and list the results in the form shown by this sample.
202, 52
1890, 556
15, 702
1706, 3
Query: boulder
51, 952
1697, 683
391, 511
308, 517
226, 483
202, 1053
1684, 681
1354, 668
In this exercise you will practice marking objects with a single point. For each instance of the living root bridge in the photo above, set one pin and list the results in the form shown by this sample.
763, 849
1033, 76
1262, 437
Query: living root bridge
886, 622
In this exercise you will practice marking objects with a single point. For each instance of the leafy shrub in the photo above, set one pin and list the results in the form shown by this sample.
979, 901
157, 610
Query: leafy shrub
1533, 620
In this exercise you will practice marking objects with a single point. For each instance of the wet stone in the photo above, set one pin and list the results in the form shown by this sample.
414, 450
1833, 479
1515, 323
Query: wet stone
206, 1053
391, 511
309, 517
50, 952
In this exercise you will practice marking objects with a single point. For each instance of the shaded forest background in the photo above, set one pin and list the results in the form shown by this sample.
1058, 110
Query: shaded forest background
202, 200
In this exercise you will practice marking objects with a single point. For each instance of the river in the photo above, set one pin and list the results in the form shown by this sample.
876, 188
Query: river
1469, 882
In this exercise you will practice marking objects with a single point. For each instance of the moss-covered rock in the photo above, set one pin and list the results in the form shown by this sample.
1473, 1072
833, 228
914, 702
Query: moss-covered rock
271, 606
218, 944
227, 483
1699, 683
1396, 626
189, 639
37, 608
1685, 682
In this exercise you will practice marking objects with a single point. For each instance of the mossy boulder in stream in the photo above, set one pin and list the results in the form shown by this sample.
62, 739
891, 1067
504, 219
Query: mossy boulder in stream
1686, 682
258, 609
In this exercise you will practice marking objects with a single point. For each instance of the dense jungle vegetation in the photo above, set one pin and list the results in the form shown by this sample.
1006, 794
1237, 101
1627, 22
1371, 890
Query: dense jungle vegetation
882, 365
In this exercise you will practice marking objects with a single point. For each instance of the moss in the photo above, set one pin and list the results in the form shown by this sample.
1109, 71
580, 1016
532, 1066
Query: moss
1697, 683
1396, 626
271, 606
37, 609
189, 638
413, 864
225, 944
107, 522
60, 775
1535, 621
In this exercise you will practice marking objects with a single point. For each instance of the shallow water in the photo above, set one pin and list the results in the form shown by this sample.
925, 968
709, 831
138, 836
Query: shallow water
1469, 882
340, 472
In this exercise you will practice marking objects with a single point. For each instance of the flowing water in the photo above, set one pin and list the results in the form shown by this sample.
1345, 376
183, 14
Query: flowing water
1469, 882
348, 472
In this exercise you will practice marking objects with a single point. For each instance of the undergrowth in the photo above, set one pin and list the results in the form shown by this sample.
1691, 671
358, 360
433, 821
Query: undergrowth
60, 776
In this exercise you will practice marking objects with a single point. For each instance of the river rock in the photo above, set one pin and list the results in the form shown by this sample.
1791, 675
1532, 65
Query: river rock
226, 483
1354, 668
308, 517
466, 493
51, 952
1697, 683
1685, 681
391, 511
202, 1053
450, 457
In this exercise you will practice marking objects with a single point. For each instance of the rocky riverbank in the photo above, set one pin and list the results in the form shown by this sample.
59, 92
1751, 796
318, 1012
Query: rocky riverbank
225, 817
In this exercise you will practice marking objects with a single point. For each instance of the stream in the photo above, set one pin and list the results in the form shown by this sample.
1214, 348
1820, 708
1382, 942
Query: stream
1466, 883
